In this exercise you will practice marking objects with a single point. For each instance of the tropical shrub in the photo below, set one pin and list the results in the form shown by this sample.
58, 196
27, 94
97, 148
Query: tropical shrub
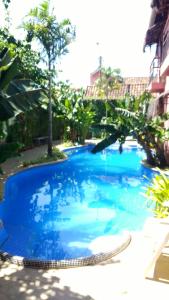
8, 150
78, 115
56, 155
16, 95
129, 118
85, 115
29, 59
158, 192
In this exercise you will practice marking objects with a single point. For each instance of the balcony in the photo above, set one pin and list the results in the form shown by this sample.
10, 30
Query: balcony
155, 85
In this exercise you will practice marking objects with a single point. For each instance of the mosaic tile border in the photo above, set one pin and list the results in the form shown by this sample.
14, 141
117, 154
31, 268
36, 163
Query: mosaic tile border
70, 263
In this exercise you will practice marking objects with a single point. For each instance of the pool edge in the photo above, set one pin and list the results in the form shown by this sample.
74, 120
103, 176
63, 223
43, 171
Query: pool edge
68, 263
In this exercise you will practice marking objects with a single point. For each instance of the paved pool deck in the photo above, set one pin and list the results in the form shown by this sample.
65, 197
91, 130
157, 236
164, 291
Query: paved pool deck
141, 271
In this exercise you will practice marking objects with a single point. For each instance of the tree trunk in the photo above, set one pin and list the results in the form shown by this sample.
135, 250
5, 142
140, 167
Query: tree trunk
161, 156
150, 158
49, 113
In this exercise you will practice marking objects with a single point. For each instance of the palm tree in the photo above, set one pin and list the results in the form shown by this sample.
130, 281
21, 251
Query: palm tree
109, 80
54, 38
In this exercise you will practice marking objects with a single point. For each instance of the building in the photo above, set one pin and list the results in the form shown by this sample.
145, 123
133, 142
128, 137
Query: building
94, 76
158, 34
133, 86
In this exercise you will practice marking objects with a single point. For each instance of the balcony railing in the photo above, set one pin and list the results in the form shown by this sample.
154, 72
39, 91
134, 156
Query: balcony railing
155, 70
155, 84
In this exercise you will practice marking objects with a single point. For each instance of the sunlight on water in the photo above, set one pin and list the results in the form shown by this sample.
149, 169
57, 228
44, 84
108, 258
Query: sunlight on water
69, 210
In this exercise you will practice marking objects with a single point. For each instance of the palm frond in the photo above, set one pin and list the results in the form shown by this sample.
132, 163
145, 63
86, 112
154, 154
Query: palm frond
126, 113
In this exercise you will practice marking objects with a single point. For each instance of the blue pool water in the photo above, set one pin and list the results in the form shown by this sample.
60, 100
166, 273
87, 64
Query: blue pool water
56, 211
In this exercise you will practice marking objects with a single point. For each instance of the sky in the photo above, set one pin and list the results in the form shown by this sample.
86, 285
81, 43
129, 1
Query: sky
113, 29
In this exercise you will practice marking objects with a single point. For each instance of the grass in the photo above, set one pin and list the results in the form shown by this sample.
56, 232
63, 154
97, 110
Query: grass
57, 155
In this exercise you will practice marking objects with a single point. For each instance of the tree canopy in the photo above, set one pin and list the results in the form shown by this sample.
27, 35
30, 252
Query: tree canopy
53, 37
129, 117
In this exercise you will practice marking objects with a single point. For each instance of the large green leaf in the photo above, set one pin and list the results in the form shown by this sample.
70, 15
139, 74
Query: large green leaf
15, 95
13, 105
107, 142
5, 57
9, 74
20, 85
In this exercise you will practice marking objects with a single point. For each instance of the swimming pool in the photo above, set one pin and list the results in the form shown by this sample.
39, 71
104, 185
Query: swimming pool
61, 211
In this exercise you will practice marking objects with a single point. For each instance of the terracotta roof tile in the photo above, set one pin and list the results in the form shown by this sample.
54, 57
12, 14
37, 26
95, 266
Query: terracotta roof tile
133, 86
136, 80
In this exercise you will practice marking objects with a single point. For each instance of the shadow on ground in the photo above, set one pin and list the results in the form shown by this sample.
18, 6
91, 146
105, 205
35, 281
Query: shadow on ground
16, 283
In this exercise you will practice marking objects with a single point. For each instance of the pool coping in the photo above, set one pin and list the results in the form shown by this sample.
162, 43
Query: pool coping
67, 263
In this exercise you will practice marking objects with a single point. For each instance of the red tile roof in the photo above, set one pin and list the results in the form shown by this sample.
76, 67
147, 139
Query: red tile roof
133, 86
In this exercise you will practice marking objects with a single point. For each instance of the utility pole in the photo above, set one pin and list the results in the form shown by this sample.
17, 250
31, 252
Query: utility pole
100, 61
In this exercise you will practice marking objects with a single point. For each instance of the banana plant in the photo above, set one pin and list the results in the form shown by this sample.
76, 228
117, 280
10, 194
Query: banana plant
16, 95
77, 114
130, 118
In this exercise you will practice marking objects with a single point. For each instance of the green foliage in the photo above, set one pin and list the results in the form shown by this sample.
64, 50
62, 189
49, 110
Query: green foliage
23, 128
29, 59
8, 68
85, 116
2, 131
158, 192
15, 95
77, 114
27, 126
129, 117
54, 37
56, 155
117, 133
110, 79
8, 150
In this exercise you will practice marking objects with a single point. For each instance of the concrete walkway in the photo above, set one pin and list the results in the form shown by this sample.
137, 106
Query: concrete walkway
14, 164
119, 278
139, 272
